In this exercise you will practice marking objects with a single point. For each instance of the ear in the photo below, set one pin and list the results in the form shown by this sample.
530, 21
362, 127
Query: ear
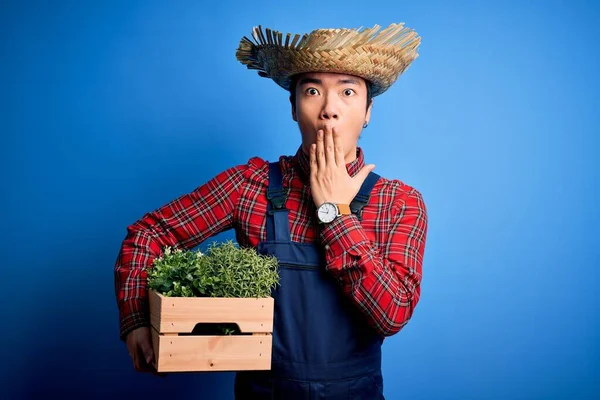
368, 115
294, 116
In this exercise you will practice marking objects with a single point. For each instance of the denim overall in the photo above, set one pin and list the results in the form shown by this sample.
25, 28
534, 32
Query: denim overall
323, 348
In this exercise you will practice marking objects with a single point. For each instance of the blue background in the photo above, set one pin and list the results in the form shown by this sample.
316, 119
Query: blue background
111, 109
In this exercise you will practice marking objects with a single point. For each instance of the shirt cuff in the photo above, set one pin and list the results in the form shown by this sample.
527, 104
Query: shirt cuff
344, 235
131, 322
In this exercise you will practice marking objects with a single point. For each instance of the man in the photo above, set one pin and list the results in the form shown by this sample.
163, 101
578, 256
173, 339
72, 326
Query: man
350, 243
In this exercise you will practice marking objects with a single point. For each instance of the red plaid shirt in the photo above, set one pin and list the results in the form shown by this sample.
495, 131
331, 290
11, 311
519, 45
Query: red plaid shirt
377, 260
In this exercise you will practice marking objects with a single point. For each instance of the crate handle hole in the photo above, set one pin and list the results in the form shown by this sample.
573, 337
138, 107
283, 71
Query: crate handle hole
216, 329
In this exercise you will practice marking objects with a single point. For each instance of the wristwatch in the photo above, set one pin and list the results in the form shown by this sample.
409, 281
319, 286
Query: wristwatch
328, 211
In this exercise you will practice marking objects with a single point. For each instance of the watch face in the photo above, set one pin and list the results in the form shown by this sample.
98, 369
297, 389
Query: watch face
327, 212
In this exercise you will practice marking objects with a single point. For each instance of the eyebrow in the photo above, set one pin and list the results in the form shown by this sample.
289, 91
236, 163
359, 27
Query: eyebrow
305, 81
349, 81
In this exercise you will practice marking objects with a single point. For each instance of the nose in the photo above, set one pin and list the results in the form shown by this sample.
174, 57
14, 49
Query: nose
329, 114
330, 110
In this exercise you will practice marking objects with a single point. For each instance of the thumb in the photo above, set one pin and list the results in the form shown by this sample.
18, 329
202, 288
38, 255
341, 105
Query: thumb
148, 352
364, 172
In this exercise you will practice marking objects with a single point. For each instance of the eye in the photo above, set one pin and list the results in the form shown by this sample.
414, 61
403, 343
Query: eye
348, 92
312, 91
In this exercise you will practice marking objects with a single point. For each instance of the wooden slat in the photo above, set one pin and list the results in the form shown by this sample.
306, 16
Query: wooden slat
211, 353
181, 314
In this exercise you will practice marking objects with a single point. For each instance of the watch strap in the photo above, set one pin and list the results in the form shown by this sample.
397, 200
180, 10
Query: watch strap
344, 209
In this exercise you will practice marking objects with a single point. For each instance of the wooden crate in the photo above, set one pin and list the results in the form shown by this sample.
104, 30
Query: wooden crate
175, 350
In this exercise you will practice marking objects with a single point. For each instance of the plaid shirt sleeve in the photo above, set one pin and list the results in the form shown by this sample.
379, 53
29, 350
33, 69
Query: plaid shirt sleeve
183, 223
383, 281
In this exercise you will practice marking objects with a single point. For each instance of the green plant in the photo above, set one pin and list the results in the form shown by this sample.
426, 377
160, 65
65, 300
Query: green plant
225, 270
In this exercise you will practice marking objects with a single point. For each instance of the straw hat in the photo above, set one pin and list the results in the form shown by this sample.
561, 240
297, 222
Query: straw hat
379, 58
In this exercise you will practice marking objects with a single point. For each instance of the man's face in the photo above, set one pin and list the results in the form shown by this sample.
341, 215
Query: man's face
336, 100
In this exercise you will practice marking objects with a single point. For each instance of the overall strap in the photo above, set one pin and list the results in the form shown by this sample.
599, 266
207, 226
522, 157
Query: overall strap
277, 215
362, 198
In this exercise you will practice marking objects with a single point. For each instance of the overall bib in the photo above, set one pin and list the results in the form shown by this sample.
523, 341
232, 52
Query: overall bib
323, 348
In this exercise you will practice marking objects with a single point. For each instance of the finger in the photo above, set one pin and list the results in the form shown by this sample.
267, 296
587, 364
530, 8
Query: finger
320, 149
138, 364
142, 366
139, 361
313, 160
145, 345
329, 149
147, 351
339, 150
145, 368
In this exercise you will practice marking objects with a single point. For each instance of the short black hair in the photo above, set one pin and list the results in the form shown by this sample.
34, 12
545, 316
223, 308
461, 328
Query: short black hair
294, 83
